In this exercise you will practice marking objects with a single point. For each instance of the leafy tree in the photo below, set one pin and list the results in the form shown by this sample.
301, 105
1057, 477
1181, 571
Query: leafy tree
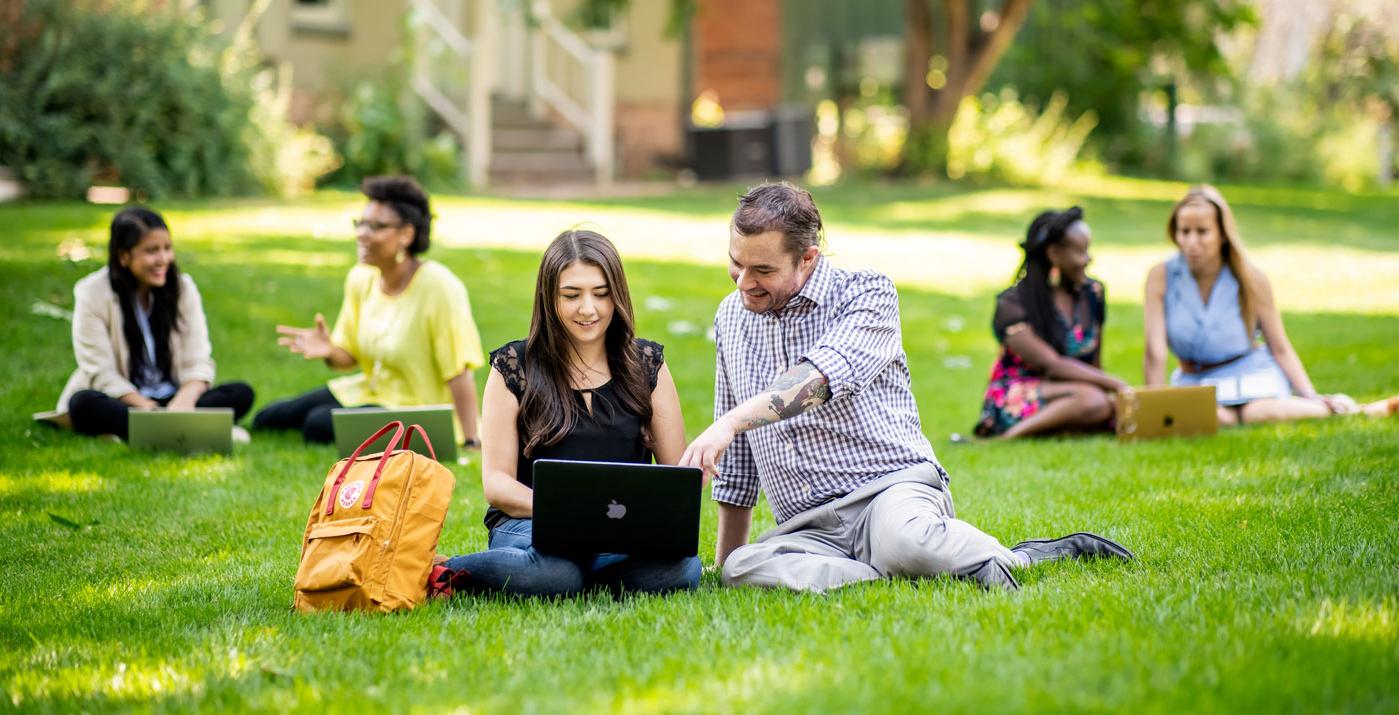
1104, 53
940, 70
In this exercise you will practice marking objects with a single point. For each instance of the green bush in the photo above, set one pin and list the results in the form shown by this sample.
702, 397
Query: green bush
95, 92
1000, 138
378, 133
1286, 135
287, 159
145, 96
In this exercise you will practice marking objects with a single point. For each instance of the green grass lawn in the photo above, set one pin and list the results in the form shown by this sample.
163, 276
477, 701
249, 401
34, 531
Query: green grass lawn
1268, 570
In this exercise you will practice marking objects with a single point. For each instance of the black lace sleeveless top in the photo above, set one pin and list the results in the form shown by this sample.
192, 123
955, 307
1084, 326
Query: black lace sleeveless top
609, 433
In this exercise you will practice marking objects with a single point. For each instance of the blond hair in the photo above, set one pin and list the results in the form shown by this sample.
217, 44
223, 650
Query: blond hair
1232, 247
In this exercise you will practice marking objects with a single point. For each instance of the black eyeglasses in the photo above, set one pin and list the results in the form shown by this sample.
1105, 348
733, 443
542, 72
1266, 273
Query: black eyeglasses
373, 226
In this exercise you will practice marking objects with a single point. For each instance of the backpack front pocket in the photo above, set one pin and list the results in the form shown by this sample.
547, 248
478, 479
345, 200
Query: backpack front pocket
337, 555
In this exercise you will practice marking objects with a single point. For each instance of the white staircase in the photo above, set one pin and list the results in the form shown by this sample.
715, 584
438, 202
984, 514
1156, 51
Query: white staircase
560, 130
528, 150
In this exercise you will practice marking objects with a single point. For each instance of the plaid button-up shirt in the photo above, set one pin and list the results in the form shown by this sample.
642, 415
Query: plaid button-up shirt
847, 325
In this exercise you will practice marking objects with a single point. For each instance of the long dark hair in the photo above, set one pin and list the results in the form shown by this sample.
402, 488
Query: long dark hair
129, 226
547, 409
1032, 280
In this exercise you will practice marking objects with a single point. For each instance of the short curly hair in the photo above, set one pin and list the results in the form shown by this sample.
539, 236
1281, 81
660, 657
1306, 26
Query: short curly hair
408, 200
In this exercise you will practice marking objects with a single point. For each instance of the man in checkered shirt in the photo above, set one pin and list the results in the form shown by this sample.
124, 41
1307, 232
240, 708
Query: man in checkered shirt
812, 405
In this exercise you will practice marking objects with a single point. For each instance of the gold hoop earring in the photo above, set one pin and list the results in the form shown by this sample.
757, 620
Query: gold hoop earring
401, 256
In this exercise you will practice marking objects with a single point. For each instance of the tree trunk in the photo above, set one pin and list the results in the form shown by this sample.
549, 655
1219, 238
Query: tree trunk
10, 13
973, 47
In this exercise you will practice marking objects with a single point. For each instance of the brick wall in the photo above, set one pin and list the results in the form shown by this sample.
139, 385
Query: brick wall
737, 52
648, 138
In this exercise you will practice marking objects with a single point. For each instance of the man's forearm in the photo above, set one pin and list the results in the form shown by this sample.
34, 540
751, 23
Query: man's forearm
734, 523
793, 392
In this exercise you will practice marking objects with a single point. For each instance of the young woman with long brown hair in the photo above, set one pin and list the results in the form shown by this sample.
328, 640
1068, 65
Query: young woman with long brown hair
1208, 304
581, 386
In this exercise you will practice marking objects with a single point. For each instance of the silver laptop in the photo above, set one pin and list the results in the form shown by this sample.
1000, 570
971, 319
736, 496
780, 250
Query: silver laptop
353, 425
612, 508
202, 429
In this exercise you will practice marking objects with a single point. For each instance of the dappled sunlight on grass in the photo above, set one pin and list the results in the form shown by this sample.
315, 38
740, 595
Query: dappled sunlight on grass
288, 257
1349, 619
52, 482
1304, 277
1137, 189
997, 201
128, 589
1217, 503
127, 679
763, 680
200, 468
1121, 187
942, 241
324, 218
1332, 278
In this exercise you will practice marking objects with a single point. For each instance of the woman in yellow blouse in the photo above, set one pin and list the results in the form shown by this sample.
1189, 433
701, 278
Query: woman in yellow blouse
405, 322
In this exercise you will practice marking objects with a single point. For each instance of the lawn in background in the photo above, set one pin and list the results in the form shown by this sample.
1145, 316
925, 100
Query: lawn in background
1268, 577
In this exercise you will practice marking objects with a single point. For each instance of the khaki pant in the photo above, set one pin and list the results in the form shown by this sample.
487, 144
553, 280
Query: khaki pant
900, 525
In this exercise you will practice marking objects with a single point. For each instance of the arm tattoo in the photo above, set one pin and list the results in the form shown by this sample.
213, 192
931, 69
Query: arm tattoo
793, 377
756, 422
812, 389
792, 393
813, 393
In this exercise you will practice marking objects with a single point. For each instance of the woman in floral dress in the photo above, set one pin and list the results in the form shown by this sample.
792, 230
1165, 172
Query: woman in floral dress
1048, 377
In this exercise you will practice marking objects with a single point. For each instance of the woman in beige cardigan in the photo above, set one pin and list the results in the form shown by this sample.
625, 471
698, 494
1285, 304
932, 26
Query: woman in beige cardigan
140, 336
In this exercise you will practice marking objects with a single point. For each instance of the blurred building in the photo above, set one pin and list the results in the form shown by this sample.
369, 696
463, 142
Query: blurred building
540, 92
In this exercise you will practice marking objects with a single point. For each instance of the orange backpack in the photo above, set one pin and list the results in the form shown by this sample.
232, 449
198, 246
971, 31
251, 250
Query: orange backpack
373, 531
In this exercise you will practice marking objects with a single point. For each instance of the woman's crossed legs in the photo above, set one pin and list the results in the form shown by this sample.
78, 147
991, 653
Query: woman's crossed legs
512, 565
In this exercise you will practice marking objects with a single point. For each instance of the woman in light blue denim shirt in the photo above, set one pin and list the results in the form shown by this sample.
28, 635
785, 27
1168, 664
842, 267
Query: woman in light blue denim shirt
1208, 303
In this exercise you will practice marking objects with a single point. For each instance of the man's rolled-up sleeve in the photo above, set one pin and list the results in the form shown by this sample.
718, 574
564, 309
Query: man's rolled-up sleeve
864, 338
737, 482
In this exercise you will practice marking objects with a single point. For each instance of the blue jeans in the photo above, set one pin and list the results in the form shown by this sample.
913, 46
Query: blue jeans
512, 565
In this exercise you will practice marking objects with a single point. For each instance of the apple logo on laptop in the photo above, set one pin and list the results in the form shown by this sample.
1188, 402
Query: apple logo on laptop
615, 510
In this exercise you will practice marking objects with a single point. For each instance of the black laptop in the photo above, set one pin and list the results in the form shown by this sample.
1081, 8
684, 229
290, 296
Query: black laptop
606, 507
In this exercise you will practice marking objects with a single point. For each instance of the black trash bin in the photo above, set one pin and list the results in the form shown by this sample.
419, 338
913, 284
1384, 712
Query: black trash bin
753, 145
741, 147
792, 130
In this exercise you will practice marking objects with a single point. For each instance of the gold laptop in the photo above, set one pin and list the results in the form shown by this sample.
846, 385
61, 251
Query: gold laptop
1153, 412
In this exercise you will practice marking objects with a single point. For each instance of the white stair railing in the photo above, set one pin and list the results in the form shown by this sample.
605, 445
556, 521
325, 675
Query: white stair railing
472, 123
576, 81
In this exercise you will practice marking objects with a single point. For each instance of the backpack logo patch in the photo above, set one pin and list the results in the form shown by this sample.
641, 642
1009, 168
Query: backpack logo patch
349, 494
